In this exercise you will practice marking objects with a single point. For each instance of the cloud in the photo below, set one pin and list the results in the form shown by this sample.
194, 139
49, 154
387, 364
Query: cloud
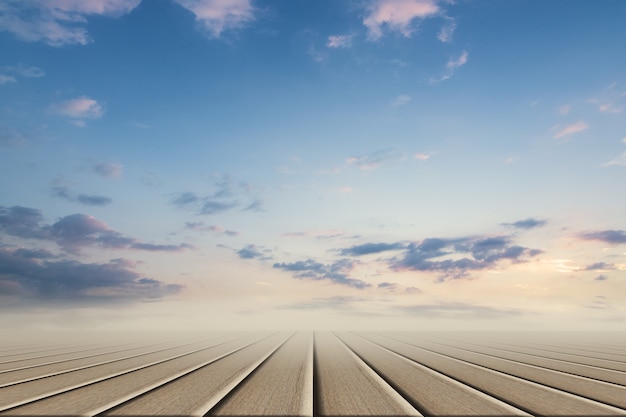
35, 278
217, 16
73, 232
318, 303
373, 160
619, 161
109, 170
370, 248
5, 79
598, 266
401, 100
571, 129
88, 200
227, 195
421, 156
23, 222
79, 108
249, 252
458, 258
447, 30
339, 41
451, 66
57, 22
612, 237
601, 278
565, 109
23, 71
337, 272
526, 224
396, 16
201, 227
458, 310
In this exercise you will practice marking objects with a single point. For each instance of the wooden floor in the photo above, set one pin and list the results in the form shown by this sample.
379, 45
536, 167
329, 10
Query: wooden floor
318, 374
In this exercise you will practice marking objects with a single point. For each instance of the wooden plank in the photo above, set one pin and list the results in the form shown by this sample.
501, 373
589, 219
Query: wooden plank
345, 386
430, 392
281, 386
38, 391
589, 371
526, 395
197, 391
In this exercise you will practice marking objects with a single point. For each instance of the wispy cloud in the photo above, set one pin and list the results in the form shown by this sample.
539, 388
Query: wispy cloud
109, 169
339, 41
22, 70
458, 310
612, 237
227, 195
88, 200
319, 303
619, 161
447, 30
374, 160
218, 16
401, 100
215, 229
598, 266
397, 16
254, 252
451, 66
571, 129
338, 272
57, 22
421, 156
6, 79
79, 108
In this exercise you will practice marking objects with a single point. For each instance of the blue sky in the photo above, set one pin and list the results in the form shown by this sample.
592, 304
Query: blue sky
415, 164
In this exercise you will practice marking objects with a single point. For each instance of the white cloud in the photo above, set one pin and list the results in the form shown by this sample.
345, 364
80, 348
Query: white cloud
459, 62
217, 16
571, 129
624, 141
565, 109
57, 22
620, 161
421, 156
447, 30
5, 79
452, 66
397, 15
401, 100
79, 108
339, 41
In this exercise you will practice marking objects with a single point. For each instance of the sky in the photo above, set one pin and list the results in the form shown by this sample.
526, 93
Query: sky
357, 164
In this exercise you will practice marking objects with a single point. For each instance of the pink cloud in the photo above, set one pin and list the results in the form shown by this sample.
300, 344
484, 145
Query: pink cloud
397, 15
571, 129
79, 108
217, 16
57, 22
421, 156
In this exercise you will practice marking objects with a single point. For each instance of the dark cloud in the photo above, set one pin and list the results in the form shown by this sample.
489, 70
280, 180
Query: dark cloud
30, 278
72, 232
34, 253
601, 278
185, 199
598, 266
529, 223
88, 200
612, 237
430, 255
212, 206
249, 252
369, 248
337, 272
23, 222
458, 310
256, 205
